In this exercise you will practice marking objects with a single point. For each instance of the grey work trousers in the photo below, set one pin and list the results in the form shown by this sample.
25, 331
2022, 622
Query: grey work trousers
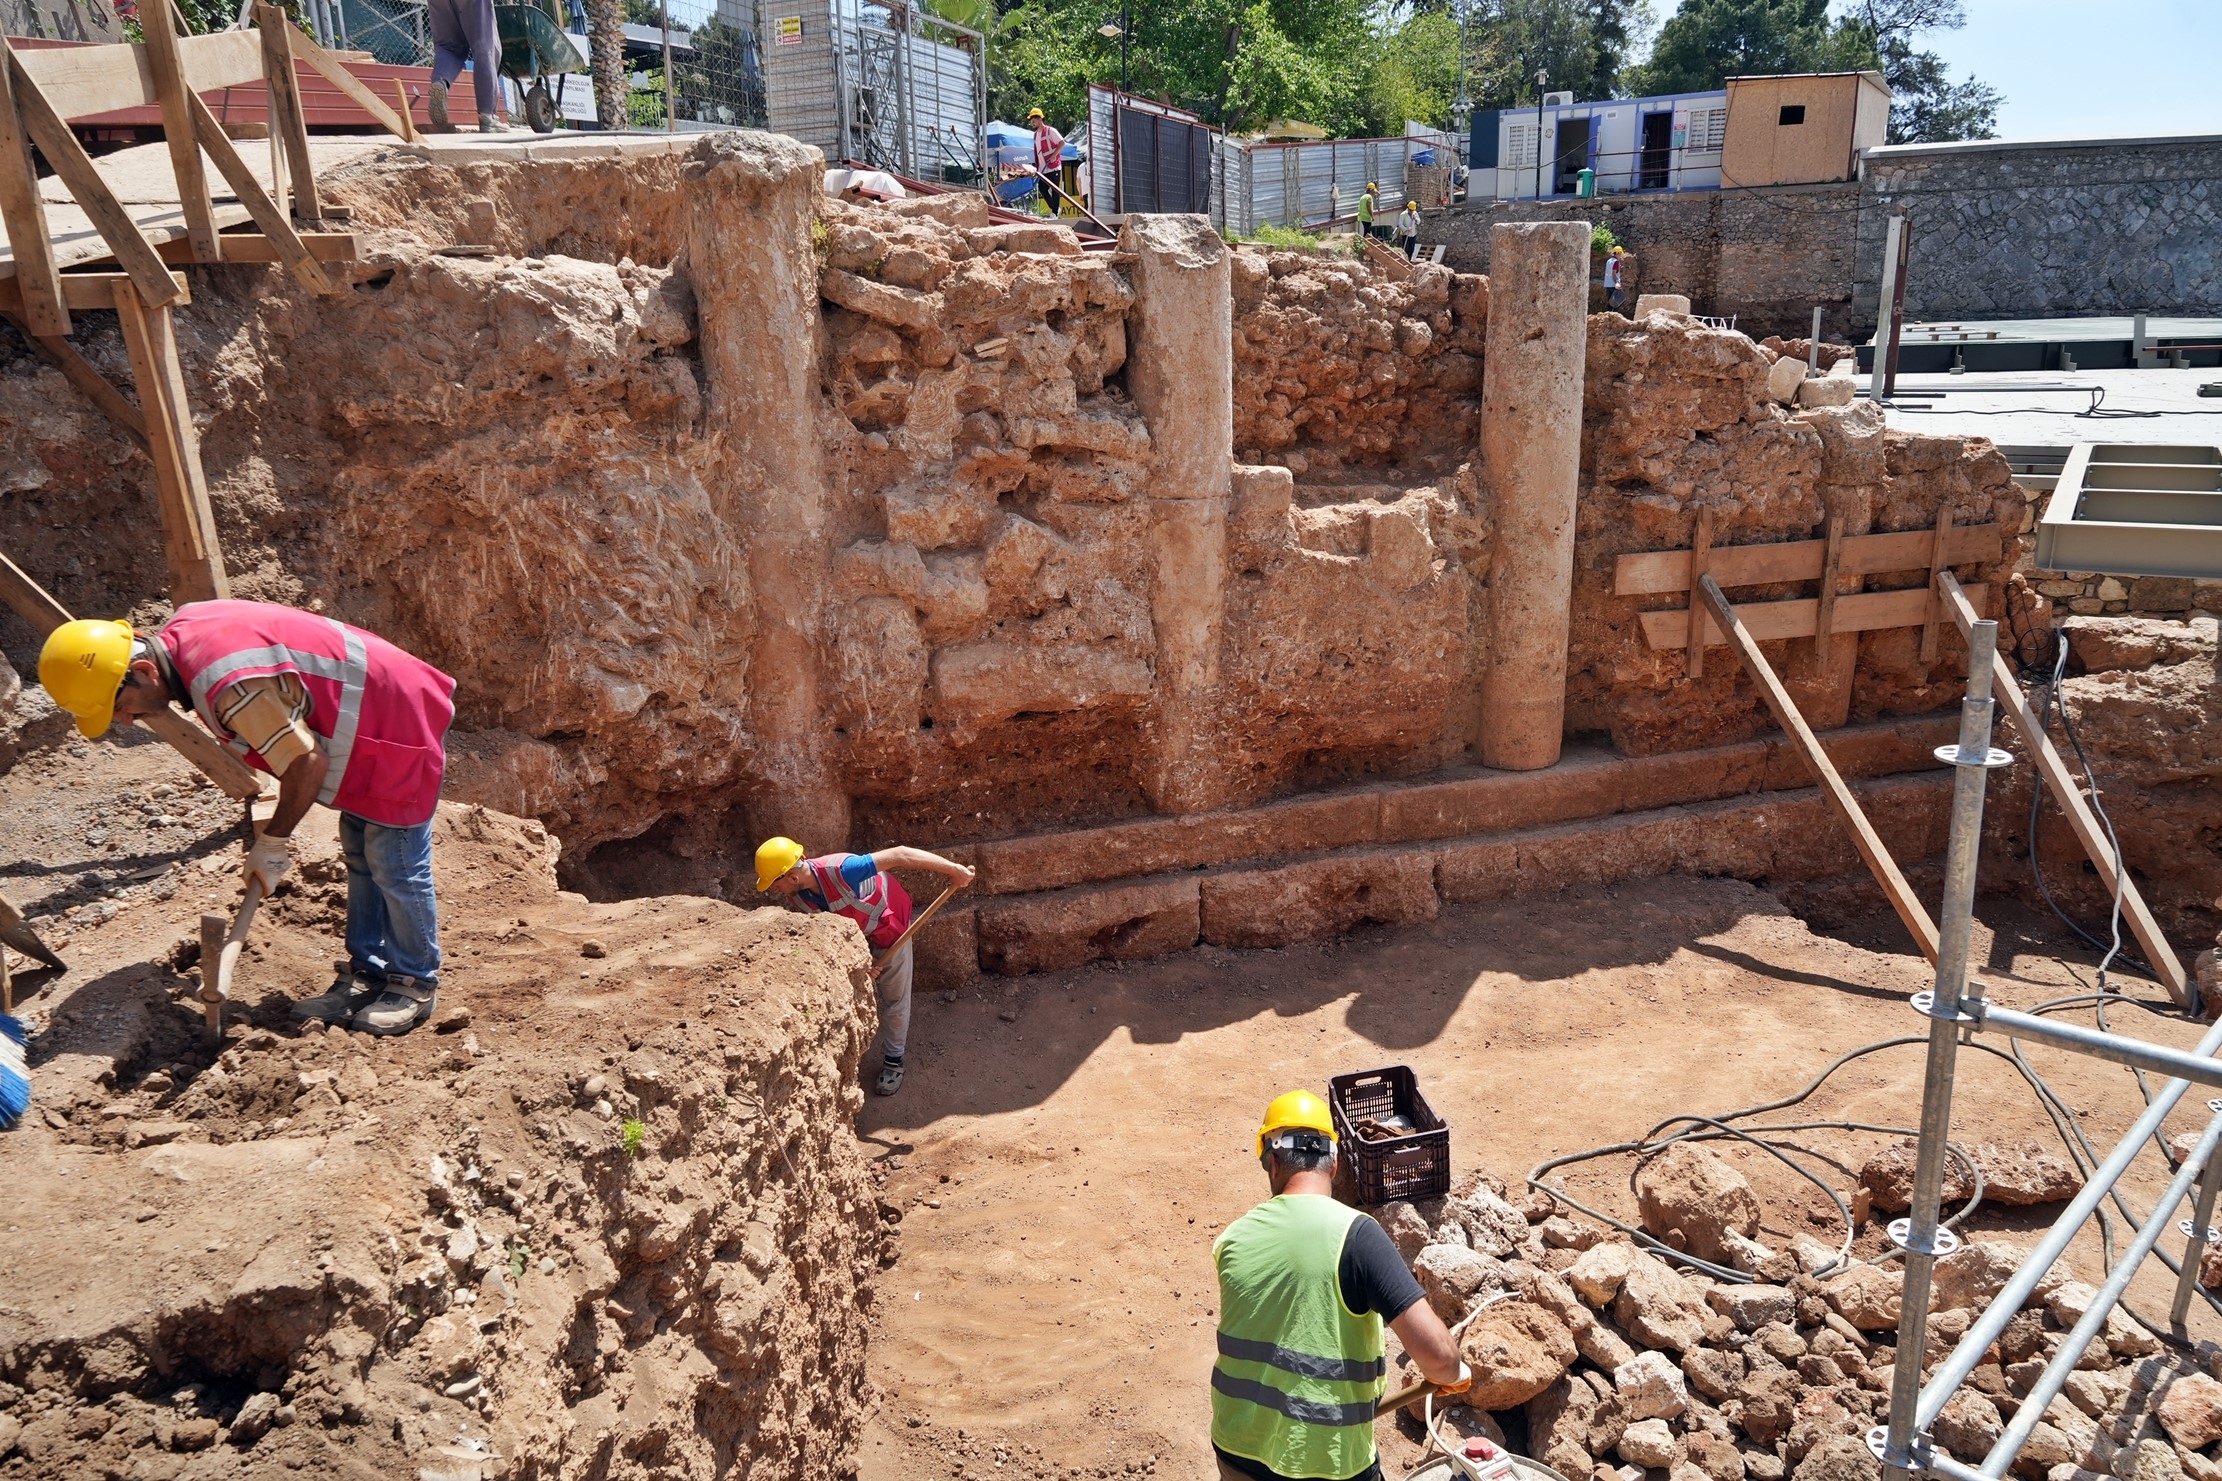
893, 989
463, 31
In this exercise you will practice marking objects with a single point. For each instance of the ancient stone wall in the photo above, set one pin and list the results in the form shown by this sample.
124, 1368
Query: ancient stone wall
1766, 256
2006, 230
734, 509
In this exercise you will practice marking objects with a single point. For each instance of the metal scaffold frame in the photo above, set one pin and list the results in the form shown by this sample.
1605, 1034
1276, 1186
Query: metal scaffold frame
1957, 1011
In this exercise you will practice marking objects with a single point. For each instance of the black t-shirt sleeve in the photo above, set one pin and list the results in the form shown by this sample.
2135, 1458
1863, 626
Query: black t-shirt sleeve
1372, 1274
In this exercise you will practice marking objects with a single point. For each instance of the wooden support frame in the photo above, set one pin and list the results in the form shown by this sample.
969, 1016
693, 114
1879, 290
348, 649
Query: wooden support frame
358, 92
1798, 617
1660, 572
36, 274
90, 291
1833, 791
2053, 771
230, 774
288, 127
254, 247
196, 559
267, 215
1701, 556
51, 132
1938, 551
159, 24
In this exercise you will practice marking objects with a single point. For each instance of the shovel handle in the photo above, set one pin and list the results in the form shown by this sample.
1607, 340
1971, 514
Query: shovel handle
911, 930
1410, 1394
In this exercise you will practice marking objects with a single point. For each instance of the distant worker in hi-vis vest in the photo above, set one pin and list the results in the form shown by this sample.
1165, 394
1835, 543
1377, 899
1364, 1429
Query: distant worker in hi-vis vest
1305, 1284
339, 716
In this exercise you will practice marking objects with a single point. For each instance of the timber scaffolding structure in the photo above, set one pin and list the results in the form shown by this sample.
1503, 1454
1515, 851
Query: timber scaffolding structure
98, 248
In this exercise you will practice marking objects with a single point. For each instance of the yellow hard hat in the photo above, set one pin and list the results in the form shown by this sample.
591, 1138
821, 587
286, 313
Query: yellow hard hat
82, 666
1033, 113
1371, 185
1411, 205
774, 857
1295, 1110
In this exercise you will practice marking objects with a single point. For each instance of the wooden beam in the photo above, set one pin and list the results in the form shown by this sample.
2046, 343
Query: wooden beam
1798, 617
1701, 552
82, 374
1824, 609
291, 250
133, 253
161, 29
196, 559
220, 766
252, 247
36, 275
1939, 559
1833, 791
1656, 572
89, 291
1965, 608
288, 126
347, 82
82, 81
408, 120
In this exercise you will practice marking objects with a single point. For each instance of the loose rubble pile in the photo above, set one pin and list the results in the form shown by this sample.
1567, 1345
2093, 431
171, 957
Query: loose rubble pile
1618, 1365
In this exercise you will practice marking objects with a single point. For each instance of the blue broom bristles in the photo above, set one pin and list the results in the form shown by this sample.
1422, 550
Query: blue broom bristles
15, 1073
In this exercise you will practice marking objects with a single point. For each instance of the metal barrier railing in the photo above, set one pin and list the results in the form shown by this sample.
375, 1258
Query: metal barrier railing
1957, 1011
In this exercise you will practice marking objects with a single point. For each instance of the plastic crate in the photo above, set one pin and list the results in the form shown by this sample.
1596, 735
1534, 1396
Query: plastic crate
1414, 1166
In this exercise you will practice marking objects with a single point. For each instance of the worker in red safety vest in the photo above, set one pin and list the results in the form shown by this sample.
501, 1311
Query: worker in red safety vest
859, 887
1049, 145
340, 716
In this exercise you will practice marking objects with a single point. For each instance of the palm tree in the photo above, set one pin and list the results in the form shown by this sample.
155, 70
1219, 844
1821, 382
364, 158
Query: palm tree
606, 41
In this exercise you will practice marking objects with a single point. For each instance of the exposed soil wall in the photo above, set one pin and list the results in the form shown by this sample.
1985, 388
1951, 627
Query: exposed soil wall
608, 1221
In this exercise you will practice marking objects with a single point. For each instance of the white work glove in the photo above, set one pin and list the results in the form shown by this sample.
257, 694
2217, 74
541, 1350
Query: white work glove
268, 859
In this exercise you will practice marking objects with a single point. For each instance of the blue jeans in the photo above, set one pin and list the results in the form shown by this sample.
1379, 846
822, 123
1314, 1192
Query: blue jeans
393, 921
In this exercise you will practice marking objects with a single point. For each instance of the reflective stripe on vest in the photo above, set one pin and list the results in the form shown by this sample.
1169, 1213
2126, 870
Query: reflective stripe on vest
351, 673
876, 908
1298, 1372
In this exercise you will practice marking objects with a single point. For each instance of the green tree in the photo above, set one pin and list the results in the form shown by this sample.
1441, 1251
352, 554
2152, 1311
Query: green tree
1926, 106
1579, 45
1707, 41
605, 38
1413, 74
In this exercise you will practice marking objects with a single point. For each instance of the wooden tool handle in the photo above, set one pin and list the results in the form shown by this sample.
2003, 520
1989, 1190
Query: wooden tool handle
1410, 1394
911, 930
216, 969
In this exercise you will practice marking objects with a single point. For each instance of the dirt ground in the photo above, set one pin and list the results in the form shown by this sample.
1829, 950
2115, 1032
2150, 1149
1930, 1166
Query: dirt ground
1068, 1145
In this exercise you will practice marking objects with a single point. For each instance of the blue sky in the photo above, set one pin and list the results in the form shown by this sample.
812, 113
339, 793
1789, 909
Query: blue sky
2076, 68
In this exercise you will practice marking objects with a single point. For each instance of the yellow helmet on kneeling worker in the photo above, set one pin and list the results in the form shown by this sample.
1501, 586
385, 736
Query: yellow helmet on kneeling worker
82, 666
774, 857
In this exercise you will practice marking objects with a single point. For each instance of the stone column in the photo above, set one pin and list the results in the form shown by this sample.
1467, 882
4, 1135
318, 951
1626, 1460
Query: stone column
1180, 371
751, 199
1531, 451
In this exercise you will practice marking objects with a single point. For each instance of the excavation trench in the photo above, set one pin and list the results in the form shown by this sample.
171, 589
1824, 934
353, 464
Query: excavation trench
1160, 586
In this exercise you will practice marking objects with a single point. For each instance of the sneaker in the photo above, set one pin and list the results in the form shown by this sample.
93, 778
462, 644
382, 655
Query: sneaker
404, 1004
490, 124
891, 1078
349, 993
438, 107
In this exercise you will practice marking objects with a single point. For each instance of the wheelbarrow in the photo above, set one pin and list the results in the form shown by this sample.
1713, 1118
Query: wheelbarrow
533, 49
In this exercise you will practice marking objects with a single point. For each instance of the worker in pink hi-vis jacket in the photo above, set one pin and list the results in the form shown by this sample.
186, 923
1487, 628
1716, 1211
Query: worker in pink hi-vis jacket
339, 716
859, 887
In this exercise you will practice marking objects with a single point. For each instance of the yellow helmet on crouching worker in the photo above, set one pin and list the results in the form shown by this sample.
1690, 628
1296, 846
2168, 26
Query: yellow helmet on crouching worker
1296, 1110
774, 857
82, 666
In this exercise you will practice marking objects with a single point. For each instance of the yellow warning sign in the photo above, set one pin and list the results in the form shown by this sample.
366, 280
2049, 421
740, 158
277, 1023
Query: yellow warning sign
787, 30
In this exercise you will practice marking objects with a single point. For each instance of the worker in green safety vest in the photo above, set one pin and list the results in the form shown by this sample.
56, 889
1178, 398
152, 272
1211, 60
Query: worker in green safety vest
1305, 1284
1366, 208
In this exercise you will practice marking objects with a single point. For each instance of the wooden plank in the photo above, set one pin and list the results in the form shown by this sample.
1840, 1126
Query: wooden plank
88, 291
82, 374
189, 540
134, 254
408, 120
1653, 572
347, 82
287, 125
1824, 608
292, 251
249, 247
81, 81
1701, 550
1833, 791
1965, 606
1798, 617
158, 23
1939, 553
25, 219
220, 766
